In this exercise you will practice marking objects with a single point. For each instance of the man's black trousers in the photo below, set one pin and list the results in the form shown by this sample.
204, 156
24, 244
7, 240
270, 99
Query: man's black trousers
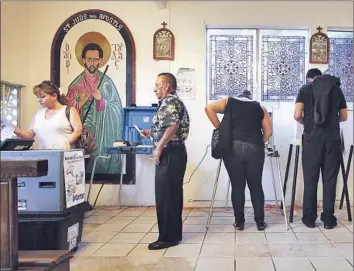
325, 155
169, 192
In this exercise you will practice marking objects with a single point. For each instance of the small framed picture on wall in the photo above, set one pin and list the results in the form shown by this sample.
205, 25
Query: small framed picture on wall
319, 47
164, 44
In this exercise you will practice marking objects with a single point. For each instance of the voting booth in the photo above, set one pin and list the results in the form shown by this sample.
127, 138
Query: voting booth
51, 208
136, 118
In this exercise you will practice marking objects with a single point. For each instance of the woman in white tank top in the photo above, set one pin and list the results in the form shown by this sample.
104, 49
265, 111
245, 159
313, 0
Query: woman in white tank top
50, 125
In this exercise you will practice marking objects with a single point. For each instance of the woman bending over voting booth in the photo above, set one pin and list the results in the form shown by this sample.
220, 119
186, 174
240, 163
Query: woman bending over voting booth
51, 125
249, 125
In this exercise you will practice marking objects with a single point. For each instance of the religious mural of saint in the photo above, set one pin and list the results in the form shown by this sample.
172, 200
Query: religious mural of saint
105, 117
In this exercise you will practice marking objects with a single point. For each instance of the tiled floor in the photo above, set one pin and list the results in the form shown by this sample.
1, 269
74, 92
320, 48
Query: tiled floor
118, 239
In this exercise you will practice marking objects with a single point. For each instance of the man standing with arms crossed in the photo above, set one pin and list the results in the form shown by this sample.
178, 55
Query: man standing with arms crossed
320, 106
169, 130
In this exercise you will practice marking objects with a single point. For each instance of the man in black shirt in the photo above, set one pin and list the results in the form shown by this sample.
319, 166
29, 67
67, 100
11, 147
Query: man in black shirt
320, 106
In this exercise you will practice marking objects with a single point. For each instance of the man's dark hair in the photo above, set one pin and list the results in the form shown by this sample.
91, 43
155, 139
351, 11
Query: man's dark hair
170, 78
92, 47
312, 73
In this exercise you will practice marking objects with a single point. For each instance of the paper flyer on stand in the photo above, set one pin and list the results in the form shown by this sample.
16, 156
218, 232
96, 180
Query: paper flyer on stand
74, 177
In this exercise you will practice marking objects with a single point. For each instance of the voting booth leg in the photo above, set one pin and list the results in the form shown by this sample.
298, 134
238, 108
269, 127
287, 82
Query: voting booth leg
227, 194
123, 160
345, 189
290, 154
346, 176
276, 154
291, 215
93, 174
214, 193
273, 177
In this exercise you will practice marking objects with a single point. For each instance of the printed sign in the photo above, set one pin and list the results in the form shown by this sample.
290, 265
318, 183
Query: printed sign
186, 83
72, 244
21, 184
73, 232
74, 177
22, 205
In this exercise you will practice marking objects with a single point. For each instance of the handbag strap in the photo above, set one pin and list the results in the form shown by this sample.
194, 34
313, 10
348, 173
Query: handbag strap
67, 114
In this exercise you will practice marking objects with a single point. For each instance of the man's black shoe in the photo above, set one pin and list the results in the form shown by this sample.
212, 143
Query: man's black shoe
239, 226
161, 245
330, 226
261, 226
310, 225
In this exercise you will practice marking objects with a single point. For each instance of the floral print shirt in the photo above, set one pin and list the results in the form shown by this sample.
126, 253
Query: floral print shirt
171, 111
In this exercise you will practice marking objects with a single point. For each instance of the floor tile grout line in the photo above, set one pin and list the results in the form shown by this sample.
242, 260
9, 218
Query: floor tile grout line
130, 232
202, 244
97, 249
313, 266
273, 263
124, 228
347, 261
297, 239
330, 241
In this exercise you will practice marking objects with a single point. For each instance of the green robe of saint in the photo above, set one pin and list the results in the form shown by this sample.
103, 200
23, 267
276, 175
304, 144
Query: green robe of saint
104, 120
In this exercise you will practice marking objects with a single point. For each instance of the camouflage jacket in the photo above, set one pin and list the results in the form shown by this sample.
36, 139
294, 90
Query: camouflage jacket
171, 111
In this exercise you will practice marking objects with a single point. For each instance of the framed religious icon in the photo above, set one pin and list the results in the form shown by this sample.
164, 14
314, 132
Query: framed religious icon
164, 44
319, 47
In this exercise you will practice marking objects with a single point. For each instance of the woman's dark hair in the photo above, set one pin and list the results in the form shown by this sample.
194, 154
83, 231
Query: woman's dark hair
245, 94
49, 88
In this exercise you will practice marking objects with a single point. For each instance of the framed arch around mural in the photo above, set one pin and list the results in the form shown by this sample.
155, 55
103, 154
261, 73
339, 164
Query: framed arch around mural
74, 69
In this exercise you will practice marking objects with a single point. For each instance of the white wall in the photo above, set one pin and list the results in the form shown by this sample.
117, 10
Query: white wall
187, 20
15, 49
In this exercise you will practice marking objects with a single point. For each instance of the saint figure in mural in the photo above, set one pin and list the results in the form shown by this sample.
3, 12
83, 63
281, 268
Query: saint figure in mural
105, 117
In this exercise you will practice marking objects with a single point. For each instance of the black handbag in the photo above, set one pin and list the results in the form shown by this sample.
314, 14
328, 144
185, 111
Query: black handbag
221, 137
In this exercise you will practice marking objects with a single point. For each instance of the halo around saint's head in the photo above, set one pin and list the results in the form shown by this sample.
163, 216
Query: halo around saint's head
93, 37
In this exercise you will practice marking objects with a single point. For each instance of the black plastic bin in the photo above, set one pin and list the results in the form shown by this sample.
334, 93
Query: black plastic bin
51, 230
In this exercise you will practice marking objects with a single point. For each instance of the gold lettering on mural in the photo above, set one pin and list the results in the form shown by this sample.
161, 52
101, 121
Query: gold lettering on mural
67, 57
117, 54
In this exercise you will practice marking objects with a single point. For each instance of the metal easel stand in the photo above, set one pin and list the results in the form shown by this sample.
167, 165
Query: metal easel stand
345, 175
123, 159
273, 153
214, 192
296, 167
93, 174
